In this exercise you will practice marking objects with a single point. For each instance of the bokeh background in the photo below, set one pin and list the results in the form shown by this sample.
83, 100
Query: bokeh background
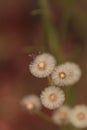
21, 37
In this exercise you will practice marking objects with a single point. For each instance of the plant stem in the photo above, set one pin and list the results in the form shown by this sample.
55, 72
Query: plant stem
70, 95
43, 116
68, 4
52, 43
50, 81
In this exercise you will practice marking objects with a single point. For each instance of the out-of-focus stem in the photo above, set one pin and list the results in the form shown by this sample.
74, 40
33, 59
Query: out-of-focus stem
52, 43
70, 95
68, 4
44, 116
50, 81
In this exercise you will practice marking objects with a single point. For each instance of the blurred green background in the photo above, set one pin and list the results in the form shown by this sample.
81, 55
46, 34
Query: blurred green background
21, 35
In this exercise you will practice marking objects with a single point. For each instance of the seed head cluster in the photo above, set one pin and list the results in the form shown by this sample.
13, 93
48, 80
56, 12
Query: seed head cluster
53, 97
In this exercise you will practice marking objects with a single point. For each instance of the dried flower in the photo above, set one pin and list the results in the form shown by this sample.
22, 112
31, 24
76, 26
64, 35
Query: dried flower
78, 116
61, 115
31, 102
66, 74
43, 65
52, 97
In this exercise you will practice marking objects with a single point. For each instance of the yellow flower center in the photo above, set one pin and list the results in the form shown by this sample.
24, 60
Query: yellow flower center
30, 106
81, 116
62, 75
63, 115
53, 97
42, 66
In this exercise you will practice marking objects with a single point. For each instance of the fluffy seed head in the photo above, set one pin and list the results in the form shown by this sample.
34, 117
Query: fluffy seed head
66, 74
31, 102
43, 65
78, 116
52, 97
61, 115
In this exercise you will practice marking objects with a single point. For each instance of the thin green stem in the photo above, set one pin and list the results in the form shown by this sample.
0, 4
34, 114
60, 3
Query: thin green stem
52, 43
70, 95
68, 5
50, 81
43, 116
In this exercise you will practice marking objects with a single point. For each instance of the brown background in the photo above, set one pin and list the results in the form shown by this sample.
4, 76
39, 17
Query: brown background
19, 30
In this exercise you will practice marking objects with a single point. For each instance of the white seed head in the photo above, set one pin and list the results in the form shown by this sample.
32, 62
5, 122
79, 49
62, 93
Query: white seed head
66, 74
52, 97
31, 102
78, 116
61, 115
43, 65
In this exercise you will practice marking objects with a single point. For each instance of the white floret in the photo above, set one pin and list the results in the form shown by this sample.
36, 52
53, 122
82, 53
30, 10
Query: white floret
43, 65
66, 74
61, 115
52, 97
78, 116
31, 102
